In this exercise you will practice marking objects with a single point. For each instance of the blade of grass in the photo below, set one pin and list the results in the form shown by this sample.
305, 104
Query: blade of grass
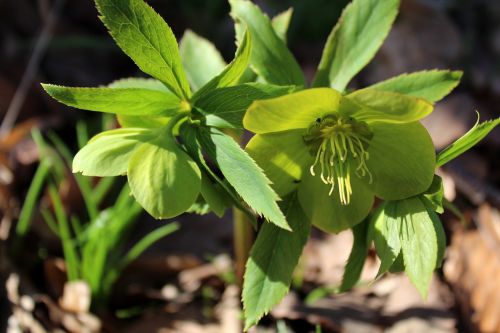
82, 134
102, 188
50, 220
34, 191
84, 183
70, 254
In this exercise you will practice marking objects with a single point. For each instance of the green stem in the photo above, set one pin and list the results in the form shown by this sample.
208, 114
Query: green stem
243, 235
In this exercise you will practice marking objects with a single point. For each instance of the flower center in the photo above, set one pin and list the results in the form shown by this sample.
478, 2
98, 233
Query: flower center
339, 143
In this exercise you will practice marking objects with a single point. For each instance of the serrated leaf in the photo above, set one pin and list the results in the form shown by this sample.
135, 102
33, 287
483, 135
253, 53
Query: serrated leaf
467, 141
123, 101
231, 75
386, 235
357, 257
163, 178
108, 153
271, 59
272, 261
419, 243
225, 107
141, 121
147, 39
202, 61
281, 22
244, 175
354, 40
430, 85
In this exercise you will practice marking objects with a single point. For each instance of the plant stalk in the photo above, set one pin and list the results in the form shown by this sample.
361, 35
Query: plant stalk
243, 235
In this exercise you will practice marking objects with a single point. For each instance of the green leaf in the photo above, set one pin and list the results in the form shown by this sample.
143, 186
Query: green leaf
108, 153
419, 243
435, 194
402, 160
147, 39
354, 40
225, 107
386, 235
124, 101
357, 257
281, 22
372, 105
231, 75
272, 261
163, 178
214, 197
244, 175
140, 82
467, 141
438, 229
202, 61
141, 121
271, 59
293, 111
430, 85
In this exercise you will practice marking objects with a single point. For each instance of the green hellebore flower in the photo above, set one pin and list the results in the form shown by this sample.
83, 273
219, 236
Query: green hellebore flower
341, 151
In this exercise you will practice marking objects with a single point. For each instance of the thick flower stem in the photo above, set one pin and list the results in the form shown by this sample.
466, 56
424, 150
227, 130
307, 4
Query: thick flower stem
243, 235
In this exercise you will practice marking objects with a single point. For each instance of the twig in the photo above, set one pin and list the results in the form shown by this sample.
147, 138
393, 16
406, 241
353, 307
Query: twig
31, 70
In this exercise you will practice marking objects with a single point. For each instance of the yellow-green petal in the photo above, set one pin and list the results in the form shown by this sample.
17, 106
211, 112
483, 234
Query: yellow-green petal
163, 178
293, 111
402, 160
283, 156
325, 211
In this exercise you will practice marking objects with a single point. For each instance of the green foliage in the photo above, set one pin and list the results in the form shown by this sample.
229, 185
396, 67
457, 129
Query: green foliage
147, 39
122, 101
327, 152
354, 40
255, 188
271, 59
467, 141
201, 60
429, 85
272, 261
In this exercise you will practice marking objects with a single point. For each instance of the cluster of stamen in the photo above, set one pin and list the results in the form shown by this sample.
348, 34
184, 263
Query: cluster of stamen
338, 142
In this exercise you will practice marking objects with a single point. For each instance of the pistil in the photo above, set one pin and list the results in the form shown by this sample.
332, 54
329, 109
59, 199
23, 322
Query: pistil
337, 142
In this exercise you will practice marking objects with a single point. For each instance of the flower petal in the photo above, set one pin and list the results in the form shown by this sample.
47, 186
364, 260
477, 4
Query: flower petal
293, 111
385, 106
325, 211
283, 156
402, 160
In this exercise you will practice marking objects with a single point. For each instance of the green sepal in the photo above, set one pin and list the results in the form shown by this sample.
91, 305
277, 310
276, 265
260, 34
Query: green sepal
293, 111
163, 178
372, 105
326, 211
402, 160
108, 153
283, 156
